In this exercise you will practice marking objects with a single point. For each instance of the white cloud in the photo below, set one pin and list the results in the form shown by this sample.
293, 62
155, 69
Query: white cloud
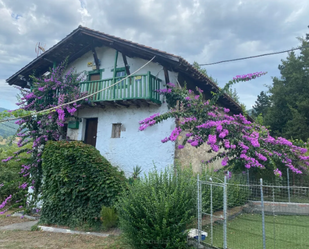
198, 30
8, 96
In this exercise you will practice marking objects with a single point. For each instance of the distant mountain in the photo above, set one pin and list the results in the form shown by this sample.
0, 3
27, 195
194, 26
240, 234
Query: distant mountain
7, 128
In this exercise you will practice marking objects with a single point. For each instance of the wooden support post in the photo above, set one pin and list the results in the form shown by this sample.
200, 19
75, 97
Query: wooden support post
95, 57
114, 74
125, 62
167, 79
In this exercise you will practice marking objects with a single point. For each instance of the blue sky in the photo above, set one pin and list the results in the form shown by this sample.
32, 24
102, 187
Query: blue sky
198, 30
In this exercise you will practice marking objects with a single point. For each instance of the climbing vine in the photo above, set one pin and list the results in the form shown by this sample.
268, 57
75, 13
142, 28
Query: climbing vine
50, 92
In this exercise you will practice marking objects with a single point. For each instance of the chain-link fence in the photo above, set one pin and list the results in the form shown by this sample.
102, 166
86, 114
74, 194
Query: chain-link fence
241, 212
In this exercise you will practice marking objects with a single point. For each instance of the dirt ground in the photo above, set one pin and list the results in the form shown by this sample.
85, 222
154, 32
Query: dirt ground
38, 239
4, 221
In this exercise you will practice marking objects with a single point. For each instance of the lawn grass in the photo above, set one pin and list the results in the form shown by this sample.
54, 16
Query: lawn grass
38, 239
245, 231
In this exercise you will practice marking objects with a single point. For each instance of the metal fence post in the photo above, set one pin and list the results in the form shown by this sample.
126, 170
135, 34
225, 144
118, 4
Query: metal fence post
225, 214
288, 181
273, 209
198, 210
263, 215
211, 212
248, 182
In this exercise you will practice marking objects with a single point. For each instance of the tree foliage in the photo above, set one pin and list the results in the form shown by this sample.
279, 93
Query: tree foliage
10, 177
288, 114
261, 104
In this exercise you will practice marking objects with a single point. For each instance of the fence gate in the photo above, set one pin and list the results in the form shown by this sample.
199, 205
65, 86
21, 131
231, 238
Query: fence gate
208, 194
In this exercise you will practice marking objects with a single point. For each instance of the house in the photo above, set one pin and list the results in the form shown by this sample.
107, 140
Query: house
112, 124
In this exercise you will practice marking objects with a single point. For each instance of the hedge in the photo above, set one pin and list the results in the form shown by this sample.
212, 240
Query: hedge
77, 182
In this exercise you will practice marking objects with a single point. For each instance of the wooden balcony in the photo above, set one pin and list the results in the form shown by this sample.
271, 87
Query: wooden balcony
135, 88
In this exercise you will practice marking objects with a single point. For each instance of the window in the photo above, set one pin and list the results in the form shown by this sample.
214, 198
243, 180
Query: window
119, 74
95, 75
116, 130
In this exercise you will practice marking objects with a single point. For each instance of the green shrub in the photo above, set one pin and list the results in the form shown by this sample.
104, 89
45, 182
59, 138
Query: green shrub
109, 217
10, 176
156, 210
236, 195
77, 182
35, 228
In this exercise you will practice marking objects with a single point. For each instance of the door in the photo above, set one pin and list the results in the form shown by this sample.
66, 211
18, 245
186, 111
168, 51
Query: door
95, 85
91, 131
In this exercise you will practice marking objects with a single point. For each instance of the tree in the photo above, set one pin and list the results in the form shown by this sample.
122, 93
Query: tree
234, 95
288, 114
261, 104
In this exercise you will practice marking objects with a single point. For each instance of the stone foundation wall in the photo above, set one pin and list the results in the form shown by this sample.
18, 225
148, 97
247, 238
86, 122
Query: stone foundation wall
190, 155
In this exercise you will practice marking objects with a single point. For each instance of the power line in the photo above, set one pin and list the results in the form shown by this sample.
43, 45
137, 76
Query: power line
254, 56
74, 101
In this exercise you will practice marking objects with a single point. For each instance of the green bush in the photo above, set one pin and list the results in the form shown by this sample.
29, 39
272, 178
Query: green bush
77, 182
10, 176
156, 210
109, 217
35, 228
236, 195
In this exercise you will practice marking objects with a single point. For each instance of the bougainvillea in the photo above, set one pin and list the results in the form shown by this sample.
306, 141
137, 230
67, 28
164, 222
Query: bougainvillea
234, 138
47, 96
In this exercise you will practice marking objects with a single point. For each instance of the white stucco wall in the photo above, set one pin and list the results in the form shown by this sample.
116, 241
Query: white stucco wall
134, 147
107, 58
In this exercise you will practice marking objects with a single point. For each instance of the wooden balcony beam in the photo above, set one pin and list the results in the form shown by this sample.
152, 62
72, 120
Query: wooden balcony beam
125, 62
167, 79
121, 103
95, 56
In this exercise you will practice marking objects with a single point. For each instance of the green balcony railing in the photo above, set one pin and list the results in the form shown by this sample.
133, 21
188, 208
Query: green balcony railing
140, 86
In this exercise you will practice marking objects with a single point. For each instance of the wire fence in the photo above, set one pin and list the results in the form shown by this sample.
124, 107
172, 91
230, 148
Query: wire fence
243, 212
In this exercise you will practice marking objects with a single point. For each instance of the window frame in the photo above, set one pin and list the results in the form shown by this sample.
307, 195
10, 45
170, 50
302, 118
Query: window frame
99, 71
116, 130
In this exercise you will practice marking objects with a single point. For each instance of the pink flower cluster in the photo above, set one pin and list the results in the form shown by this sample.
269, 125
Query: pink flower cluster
148, 121
249, 76
244, 141
277, 172
190, 119
164, 91
2, 205
24, 185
